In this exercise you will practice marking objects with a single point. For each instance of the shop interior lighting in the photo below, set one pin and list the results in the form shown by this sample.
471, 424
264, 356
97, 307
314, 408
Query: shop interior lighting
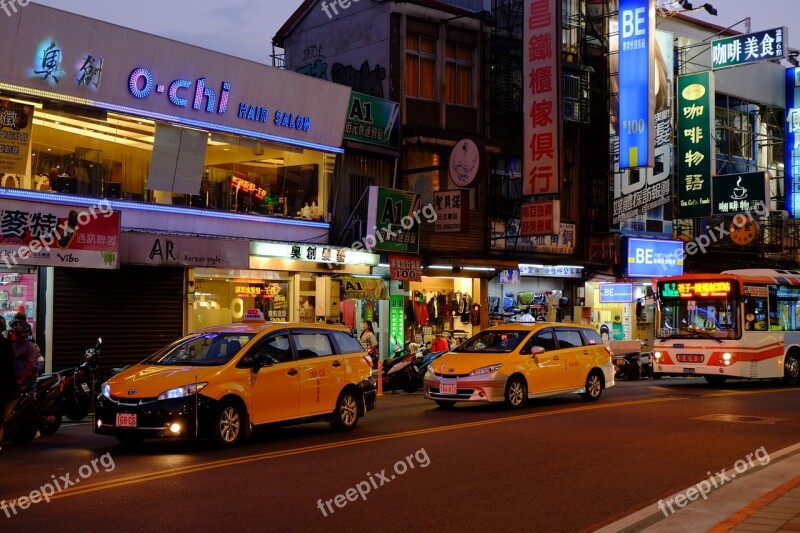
86, 201
383, 265
440, 267
479, 269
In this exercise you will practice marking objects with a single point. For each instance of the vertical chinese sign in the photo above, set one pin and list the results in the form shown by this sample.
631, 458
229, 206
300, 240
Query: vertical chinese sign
636, 83
16, 121
792, 150
542, 112
695, 149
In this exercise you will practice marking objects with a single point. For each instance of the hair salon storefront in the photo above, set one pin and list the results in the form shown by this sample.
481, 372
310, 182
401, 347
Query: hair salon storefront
207, 151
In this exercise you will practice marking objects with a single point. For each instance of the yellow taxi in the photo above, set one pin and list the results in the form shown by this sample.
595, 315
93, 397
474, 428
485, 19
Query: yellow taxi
221, 381
514, 362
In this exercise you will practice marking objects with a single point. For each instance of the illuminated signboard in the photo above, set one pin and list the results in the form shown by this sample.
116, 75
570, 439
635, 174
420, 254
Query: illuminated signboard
740, 49
540, 104
695, 148
739, 193
792, 151
636, 83
616, 293
696, 289
651, 258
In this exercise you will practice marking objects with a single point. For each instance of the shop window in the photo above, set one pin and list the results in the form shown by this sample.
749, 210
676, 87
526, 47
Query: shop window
104, 154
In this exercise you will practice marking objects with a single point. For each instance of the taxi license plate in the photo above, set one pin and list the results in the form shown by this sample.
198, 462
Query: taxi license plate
125, 420
448, 388
688, 370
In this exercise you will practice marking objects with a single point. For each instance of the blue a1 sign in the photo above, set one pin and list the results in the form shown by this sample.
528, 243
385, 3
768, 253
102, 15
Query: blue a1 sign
653, 258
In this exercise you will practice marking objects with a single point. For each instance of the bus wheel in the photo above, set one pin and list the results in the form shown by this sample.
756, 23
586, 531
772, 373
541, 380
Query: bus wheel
716, 380
791, 370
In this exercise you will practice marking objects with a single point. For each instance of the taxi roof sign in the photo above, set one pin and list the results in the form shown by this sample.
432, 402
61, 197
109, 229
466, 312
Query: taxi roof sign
253, 315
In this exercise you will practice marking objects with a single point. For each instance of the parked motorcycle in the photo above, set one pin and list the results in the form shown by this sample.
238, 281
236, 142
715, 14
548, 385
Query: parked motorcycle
401, 373
627, 366
424, 363
35, 410
78, 386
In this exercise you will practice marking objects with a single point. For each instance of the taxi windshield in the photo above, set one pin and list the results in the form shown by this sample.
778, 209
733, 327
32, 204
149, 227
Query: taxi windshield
208, 349
493, 341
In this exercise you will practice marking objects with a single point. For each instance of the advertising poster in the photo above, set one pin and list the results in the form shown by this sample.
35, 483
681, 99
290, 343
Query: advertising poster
16, 121
391, 223
59, 235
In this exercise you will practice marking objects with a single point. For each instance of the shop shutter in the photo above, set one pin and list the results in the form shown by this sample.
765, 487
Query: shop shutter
136, 309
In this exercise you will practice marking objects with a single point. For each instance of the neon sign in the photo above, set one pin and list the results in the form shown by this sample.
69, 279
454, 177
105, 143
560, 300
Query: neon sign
141, 83
698, 289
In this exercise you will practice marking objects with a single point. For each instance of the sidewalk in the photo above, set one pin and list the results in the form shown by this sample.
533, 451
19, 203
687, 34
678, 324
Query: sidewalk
765, 499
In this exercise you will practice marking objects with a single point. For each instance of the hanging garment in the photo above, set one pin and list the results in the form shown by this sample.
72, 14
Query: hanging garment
441, 304
465, 310
421, 310
447, 306
347, 308
475, 315
411, 317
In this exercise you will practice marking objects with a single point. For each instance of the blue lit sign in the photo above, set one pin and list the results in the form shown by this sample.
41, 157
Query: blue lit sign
636, 83
792, 152
616, 293
652, 258
141, 83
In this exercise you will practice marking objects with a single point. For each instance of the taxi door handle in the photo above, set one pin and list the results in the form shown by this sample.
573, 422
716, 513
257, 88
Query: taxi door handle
555, 358
586, 352
292, 372
336, 364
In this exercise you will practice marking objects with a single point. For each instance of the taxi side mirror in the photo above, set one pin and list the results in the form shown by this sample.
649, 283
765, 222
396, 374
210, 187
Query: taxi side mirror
536, 350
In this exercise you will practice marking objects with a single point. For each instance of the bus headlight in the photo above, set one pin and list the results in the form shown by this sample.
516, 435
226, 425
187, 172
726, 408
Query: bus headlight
726, 358
657, 355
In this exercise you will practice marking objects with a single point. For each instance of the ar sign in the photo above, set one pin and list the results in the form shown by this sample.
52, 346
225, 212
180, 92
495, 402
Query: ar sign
636, 83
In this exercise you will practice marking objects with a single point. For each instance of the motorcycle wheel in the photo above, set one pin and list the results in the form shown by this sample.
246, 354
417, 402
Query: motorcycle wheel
622, 370
50, 428
411, 385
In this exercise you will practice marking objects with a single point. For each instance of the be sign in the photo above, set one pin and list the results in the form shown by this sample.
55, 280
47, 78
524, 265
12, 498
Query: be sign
636, 83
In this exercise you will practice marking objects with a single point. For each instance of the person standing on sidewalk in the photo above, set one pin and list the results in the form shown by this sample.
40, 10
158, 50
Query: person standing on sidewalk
8, 381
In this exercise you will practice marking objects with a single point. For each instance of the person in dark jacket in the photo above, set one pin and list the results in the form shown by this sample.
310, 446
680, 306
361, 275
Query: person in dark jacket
8, 380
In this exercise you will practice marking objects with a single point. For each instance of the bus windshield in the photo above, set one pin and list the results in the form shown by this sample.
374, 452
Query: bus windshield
694, 314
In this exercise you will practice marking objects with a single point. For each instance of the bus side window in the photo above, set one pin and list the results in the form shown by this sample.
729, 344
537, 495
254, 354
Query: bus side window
755, 314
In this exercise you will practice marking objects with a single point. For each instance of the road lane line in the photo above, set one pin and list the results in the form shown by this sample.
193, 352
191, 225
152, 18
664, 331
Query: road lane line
189, 469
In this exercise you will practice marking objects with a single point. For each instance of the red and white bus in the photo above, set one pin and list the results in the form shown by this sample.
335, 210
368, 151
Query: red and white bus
737, 324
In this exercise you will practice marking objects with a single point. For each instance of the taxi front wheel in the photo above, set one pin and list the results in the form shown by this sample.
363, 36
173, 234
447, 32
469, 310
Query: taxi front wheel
516, 392
345, 416
228, 424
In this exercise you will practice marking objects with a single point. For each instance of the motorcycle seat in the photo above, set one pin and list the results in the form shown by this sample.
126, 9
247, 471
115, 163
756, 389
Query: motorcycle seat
48, 380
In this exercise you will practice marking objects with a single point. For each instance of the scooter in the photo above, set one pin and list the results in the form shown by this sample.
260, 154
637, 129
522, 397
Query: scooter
77, 387
627, 366
425, 363
35, 410
400, 372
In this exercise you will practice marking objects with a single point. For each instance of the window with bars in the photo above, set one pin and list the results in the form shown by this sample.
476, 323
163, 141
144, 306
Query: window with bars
458, 73
420, 66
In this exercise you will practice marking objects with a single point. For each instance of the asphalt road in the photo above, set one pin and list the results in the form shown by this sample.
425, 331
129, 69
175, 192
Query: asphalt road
560, 464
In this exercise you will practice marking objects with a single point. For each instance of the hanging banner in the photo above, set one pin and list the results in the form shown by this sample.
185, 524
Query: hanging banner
59, 235
540, 102
397, 320
452, 211
16, 121
393, 220
695, 138
748, 48
739, 193
637, 26
372, 120
792, 145
540, 218
361, 288
405, 267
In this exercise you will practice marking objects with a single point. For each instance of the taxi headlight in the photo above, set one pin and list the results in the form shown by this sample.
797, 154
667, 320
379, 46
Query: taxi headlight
105, 390
491, 369
180, 392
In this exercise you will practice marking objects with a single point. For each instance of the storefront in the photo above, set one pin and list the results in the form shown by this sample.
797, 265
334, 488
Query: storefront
624, 308
200, 156
543, 291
